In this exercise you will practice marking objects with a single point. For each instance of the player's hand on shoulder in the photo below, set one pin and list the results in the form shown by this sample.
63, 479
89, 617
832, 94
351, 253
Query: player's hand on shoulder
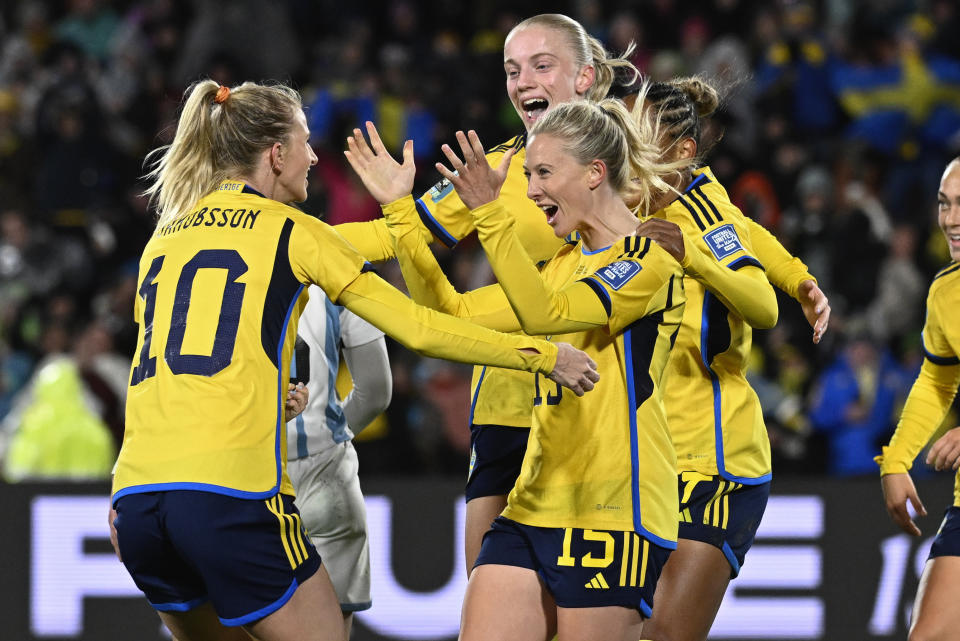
297, 397
816, 308
898, 489
945, 452
666, 234
574, 370
476, 182
385, 178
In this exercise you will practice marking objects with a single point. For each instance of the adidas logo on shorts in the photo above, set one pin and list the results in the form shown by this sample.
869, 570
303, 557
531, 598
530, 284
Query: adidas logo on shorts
597, 582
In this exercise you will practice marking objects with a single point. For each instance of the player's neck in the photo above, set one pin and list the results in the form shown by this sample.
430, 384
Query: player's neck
610, 222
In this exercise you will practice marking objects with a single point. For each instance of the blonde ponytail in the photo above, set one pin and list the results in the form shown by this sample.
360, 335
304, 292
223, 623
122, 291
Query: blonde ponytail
605, 69
220, 135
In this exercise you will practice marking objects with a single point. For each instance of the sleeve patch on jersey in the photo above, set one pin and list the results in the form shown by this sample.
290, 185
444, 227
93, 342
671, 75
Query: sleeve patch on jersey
440, 191
723, 241
617, 274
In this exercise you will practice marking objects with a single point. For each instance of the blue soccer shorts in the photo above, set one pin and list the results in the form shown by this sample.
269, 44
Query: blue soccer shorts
722, 513
580, 568
185, 547
947, 541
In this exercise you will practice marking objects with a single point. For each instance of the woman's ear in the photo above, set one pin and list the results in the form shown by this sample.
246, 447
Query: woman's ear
687, 149
276, 157
585, 79
596, 172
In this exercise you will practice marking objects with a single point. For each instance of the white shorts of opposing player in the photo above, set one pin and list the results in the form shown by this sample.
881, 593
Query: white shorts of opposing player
331, 506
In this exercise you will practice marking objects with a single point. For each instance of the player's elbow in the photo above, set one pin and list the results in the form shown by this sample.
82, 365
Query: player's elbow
766, 318
537, 325
383, 392
764, 311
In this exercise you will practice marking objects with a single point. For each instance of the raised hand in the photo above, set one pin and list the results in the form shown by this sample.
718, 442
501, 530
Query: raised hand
666, 234
897, 490
815, 307
945, 453
476, 182
574, 369
385, 178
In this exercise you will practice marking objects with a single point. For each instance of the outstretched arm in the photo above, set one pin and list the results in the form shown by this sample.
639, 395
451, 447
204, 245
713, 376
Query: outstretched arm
788, 273
433, 334
372, 239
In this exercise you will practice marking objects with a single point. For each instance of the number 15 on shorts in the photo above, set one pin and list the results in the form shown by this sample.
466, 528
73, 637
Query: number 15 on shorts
626, 551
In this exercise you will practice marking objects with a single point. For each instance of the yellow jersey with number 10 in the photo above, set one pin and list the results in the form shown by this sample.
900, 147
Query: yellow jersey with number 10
220, 291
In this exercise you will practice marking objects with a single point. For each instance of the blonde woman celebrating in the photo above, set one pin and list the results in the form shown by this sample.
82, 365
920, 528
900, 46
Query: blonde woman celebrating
592, 516
205, 522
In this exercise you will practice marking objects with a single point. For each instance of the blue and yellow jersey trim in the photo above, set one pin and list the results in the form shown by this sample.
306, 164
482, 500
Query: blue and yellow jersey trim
444, 188
715, 339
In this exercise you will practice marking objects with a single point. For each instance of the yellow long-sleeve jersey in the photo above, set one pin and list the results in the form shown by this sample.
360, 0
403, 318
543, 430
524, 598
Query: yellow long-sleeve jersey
604, 460
933, 391
714, 415
498, 396
221, 290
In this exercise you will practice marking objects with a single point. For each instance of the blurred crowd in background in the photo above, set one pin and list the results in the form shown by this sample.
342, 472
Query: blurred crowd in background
838, 119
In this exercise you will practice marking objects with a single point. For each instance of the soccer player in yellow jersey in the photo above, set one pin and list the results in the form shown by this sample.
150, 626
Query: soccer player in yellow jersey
548, 59
935, 616
715, 418
205, 521
592, 516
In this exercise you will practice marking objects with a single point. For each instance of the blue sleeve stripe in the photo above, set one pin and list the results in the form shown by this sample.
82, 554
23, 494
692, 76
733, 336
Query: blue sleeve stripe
940, 360
600, 292
368, 267
702, 178
744, 261
435, 227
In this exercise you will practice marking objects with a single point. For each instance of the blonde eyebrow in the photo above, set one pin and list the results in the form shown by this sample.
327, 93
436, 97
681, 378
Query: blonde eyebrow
511, 61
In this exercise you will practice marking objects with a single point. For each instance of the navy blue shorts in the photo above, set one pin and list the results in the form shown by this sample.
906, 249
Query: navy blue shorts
496, 453
581, 568
947, 541
185, 547
722, 513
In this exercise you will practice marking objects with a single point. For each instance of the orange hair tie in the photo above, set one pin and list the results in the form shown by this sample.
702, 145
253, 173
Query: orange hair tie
222, 94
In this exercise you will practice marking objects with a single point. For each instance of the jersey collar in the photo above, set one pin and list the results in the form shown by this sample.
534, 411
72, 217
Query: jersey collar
240, 186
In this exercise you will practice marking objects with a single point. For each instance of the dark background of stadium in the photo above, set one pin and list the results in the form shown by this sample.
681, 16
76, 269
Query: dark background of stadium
88, 87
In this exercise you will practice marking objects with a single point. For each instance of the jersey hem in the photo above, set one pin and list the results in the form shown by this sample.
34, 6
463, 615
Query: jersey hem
197, 487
